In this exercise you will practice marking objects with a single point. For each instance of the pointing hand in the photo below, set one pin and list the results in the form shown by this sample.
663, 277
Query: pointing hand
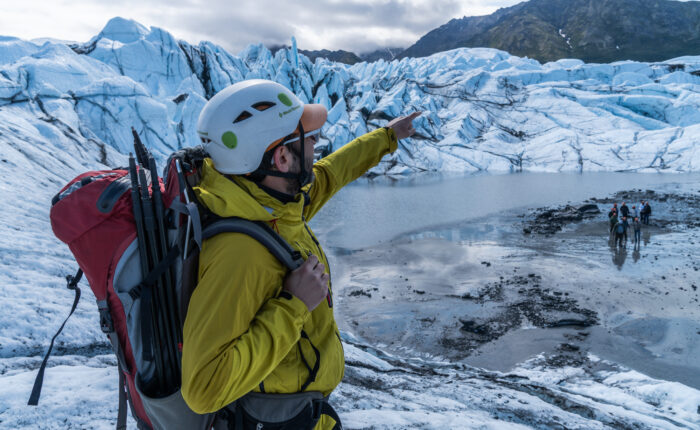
403, 126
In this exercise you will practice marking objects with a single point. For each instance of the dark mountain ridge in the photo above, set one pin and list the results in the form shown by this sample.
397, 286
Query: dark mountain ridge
598, 31
592, 30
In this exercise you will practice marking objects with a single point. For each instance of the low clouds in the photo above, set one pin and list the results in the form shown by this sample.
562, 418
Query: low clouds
354, 25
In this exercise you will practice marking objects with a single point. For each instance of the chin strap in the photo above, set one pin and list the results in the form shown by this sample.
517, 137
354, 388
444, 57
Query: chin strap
303, 176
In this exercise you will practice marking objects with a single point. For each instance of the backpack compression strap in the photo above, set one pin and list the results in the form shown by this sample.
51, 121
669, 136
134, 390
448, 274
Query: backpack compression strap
72, 282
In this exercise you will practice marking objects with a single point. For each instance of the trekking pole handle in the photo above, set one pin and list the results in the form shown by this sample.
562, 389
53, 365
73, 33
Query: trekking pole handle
189, 219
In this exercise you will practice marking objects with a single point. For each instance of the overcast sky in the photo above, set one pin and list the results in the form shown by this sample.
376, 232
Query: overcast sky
354, 25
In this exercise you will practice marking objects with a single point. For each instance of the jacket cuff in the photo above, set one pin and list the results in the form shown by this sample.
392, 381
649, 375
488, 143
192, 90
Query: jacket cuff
393, 140
293, 304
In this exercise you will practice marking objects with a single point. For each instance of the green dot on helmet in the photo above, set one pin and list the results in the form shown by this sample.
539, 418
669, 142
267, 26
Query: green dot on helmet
284, 99
229, 139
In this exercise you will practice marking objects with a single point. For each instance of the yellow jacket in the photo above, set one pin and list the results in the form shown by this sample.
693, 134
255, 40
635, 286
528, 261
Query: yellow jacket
240, 335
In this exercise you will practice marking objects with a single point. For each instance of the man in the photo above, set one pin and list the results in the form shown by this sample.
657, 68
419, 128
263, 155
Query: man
646, 211
612, 217
637, 226
250, 325
620, 230
624, 210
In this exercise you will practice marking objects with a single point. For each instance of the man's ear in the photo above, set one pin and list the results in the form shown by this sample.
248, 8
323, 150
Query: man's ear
282, 159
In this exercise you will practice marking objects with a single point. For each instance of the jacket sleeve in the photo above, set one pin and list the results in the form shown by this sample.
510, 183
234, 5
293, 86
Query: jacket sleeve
237, 329
347, 164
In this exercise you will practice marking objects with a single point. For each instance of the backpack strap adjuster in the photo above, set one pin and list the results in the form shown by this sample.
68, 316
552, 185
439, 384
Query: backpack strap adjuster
106, 324
107, 327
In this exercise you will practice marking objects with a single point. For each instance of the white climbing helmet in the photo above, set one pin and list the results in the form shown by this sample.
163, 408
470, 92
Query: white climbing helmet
241, 122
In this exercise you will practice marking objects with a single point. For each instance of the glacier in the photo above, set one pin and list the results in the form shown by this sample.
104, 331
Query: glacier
483, 109
68, 108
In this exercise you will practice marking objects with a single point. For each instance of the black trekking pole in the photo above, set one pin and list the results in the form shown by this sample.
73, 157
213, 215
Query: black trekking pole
147, 333
165, 301
170, 287
158, 304
142, 153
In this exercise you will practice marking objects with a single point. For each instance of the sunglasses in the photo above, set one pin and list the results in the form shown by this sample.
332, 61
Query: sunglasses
314, 134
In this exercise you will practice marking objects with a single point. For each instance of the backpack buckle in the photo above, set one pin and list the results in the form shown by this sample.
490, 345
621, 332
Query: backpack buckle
72, 280
106, 323
317, 408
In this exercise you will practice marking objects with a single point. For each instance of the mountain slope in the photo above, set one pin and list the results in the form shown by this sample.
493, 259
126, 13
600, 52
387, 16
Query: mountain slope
591, 30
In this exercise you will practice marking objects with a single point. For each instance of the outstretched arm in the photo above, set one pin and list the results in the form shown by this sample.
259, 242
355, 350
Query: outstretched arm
354, 159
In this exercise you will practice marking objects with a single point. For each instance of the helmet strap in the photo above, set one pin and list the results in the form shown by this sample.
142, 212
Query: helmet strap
303, 176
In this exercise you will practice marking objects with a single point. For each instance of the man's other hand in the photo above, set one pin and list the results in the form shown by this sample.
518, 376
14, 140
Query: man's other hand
308, 282
403, 126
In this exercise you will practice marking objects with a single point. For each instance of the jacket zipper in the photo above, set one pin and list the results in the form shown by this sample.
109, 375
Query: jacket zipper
329, 297
318, 246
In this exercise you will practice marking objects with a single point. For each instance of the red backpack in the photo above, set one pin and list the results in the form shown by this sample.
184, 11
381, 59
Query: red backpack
136, 238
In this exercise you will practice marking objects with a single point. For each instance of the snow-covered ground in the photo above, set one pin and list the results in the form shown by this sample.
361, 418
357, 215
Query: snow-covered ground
64, 110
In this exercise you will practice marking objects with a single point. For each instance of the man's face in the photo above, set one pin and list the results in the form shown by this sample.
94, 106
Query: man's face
293, 185
309, 143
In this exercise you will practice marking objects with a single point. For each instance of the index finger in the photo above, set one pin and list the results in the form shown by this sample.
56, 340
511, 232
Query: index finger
415, 114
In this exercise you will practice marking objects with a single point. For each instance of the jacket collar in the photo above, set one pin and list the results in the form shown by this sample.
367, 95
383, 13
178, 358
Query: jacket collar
236, 196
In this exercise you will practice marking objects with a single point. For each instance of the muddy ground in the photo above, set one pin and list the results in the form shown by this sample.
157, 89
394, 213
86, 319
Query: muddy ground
544, 282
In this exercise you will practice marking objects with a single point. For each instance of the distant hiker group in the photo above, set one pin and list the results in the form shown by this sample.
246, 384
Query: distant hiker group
619, 224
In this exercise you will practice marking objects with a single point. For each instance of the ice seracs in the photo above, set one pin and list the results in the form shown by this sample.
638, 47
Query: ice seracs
483, 108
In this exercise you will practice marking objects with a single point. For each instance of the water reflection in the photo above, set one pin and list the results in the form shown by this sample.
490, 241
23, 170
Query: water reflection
619, 256
635, 253
460, 233
619, 253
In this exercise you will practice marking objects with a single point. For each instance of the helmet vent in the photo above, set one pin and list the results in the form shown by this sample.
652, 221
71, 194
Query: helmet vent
243, 116
261, 106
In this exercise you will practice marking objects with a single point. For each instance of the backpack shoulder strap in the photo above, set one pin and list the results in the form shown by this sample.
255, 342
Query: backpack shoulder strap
262, 233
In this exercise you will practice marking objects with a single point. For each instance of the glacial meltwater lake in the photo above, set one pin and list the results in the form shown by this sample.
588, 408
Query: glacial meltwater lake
368, 212
420, 261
